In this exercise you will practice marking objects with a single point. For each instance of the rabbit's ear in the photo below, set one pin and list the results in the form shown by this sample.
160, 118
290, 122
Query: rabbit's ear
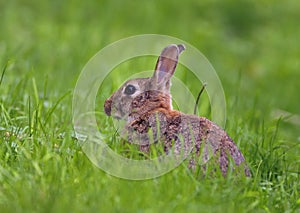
166, 65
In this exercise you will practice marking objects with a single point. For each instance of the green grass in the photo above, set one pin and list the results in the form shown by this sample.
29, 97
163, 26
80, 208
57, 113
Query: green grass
43, 47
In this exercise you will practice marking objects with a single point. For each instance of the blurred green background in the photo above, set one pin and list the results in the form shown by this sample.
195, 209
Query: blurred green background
253, 45
254, 41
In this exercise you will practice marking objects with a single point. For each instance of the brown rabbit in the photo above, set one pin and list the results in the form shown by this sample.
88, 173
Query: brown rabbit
146, 106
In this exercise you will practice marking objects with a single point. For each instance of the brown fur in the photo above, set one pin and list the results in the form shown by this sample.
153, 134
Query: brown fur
150, 109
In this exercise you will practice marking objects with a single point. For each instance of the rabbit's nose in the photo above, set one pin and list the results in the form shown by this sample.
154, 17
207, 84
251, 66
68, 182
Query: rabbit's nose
107, 106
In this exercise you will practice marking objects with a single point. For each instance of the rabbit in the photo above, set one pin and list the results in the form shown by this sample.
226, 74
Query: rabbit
145, 104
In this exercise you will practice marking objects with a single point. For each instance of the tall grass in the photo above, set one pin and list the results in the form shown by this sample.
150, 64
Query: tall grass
44, 45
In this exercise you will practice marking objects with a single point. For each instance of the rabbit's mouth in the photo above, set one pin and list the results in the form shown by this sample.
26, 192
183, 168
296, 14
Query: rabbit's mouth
118, 114
117, 117
111, 110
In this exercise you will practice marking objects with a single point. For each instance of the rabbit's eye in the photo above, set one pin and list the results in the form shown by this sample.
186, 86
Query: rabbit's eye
130, 89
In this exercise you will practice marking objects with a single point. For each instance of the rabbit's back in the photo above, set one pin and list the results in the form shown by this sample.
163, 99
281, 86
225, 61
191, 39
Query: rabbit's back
203, 139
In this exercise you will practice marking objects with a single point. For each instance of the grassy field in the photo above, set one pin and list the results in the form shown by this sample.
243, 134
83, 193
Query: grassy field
255, 49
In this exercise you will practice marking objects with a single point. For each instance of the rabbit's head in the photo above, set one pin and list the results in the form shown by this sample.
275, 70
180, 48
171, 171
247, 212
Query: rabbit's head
145, 94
